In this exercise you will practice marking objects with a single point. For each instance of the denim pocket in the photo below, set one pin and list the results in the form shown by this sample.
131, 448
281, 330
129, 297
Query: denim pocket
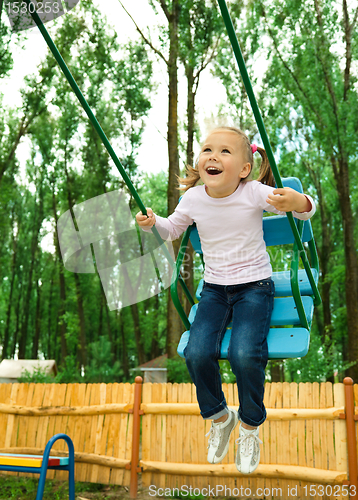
266, 284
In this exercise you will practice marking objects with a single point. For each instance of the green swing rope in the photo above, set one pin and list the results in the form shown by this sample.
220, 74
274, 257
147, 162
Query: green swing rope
101, 134
260, 124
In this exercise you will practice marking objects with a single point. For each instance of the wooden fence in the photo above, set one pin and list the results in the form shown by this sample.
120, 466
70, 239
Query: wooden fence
95, 416
304, 452
304, 443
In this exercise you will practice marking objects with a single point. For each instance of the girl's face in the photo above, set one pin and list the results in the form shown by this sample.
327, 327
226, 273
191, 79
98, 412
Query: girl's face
222, 163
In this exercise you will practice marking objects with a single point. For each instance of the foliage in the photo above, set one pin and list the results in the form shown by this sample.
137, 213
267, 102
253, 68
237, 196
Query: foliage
225, 371
322, 362
69, 372
297, 60
43, 307
302, 61
199, 32
38, 376
320, 128
102, 368
177, 371
152, 189
5, 54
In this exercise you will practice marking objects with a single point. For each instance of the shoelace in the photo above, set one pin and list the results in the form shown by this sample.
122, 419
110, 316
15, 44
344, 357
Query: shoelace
214, 436
247, 441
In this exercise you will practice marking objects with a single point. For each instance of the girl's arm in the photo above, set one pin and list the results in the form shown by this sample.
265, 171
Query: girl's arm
289, 200
169, 228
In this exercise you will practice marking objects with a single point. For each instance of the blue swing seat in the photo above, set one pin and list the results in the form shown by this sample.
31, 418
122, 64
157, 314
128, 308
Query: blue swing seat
288, 336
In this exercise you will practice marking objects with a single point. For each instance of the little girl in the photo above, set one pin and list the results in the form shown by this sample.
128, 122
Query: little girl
228, 210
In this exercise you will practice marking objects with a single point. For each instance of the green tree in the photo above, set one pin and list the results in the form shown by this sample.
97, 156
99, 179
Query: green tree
199, 34
102, 367
169, 53
320, 87
308, 98
43, 307
5, 54
189, 36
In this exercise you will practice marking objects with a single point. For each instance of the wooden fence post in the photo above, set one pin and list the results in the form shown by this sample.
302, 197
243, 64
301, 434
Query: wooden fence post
351, 436
136, 437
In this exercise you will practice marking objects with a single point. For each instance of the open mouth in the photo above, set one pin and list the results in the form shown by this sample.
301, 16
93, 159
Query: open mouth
213, 171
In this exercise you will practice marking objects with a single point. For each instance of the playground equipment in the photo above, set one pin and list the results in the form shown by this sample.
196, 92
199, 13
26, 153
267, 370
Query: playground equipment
38, 464
292, 314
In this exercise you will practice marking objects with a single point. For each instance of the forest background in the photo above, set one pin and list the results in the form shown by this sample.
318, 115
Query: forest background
303, 60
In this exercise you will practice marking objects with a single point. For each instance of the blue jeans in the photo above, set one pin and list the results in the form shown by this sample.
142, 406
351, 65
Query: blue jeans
249, 306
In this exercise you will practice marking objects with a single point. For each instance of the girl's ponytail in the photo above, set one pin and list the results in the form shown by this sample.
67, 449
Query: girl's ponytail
266, 175
190, 180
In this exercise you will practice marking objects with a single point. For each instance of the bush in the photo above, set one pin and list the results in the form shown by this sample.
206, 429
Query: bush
38, 376
177, 371
102, 367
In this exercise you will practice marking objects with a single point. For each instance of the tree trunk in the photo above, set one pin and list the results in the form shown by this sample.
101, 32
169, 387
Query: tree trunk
100, 321
8, 313
62, 322
350, 247
324, 253
276, 370
35, 344
173, 153
137, 334
24, 124
351, 277
81, 314
190, 107
49, 322
63, 325
189, 255
26, 306
109, 329
57, 353
8, 161
104, 307
125, 364
174, 327
17, 326
154, 350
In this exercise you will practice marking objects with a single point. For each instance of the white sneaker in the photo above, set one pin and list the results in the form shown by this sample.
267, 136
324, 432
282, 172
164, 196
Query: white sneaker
219, 437
248, 450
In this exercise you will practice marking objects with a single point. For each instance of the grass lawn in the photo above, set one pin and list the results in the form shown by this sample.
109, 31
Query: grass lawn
23, 488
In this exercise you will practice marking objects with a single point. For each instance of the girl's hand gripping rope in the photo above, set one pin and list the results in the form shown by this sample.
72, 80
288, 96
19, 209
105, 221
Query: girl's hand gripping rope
289, 200
146, 220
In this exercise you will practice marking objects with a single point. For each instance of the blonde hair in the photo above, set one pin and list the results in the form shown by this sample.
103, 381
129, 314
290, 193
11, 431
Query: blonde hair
265, 175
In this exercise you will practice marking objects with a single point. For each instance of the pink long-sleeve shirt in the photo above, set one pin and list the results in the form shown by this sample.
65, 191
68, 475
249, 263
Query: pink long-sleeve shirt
230, 231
